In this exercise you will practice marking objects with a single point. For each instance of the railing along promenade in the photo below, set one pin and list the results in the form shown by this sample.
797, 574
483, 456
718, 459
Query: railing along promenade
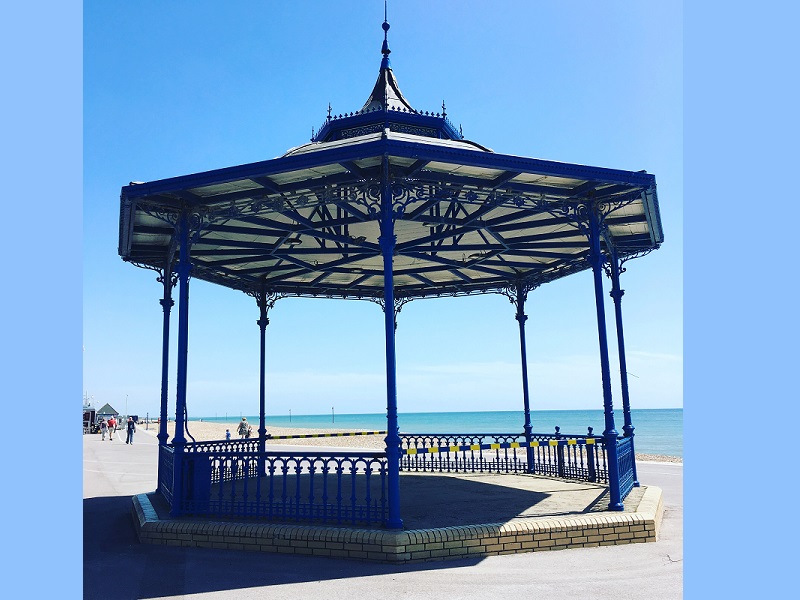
232, 478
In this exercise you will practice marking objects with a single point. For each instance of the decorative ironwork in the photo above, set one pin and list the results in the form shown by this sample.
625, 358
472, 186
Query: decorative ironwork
578, 213
223, 479
144, 265
173, 278
413, 130
638, 253
171, 216
579, 457
166, 459
267, 297
625, 459
399, 303
517, 292
357, 131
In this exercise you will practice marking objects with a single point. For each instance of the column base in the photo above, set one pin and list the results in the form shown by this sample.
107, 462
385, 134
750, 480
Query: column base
392, 524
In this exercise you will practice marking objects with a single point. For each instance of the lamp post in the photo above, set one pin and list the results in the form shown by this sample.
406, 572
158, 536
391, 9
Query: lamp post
126, 407
333, 416
290, 415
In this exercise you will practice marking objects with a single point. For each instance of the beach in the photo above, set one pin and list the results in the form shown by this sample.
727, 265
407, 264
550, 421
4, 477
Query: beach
203, 431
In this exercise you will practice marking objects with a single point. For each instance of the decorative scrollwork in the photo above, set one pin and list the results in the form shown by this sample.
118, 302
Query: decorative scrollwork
614, 256
367, 194
496, 198
517, 291
576, 213
266, 297
413, 130
173, 278
399, 303
143, 265
358, 131
637, 253
166, 215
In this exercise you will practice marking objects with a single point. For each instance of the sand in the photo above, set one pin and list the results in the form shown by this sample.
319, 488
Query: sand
204, 431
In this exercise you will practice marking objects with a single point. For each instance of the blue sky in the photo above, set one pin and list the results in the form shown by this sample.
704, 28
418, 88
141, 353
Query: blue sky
182, 87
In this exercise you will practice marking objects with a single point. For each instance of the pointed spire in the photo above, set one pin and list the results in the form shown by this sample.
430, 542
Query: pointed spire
386, 94
385, 64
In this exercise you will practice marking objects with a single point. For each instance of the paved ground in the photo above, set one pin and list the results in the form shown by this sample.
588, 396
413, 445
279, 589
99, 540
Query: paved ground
113, 472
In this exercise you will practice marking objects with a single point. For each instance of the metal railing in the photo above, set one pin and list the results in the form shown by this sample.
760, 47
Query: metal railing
220, 479
580, 457
625, 460
231, 478
166, 459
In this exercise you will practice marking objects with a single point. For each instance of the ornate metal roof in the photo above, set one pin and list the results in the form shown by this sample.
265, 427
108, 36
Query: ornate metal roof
467, 219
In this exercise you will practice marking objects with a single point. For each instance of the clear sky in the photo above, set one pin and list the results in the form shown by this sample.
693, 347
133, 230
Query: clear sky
181, 87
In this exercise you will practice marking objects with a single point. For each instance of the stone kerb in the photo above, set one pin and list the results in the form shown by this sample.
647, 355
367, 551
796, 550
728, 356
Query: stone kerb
525, 535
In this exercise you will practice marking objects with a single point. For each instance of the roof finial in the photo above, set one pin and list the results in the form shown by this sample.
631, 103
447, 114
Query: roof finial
444, 110
329, 111
385, 64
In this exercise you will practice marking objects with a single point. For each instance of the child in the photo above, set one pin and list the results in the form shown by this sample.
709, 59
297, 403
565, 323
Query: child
228, 435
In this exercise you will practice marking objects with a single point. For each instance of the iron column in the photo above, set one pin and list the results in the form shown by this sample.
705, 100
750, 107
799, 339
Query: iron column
263, 321
610, 433
178, 440
387, 241
521, 318
166, 304
616, 293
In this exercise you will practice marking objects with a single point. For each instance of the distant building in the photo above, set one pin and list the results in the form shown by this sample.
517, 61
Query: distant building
107, 411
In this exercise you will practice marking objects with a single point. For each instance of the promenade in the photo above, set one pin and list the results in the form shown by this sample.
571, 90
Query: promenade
113, 472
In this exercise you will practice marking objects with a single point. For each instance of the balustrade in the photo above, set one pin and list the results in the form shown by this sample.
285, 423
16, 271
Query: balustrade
231, 478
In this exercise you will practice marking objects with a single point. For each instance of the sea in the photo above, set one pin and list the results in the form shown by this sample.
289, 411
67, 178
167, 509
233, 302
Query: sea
657, 430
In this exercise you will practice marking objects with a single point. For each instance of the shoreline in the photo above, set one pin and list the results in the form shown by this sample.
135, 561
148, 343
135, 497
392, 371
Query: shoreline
204, 431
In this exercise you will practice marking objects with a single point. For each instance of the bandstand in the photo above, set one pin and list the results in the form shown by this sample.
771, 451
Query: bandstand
386, 204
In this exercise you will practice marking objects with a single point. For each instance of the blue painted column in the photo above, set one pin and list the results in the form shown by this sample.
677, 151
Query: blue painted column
610, 433
616, 293
263, 321
521, 318
179, 440
166, 304
387, 241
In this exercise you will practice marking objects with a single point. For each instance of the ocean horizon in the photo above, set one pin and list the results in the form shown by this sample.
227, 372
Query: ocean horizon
657, 430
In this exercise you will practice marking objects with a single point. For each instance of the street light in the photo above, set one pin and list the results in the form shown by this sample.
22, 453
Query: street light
333, 417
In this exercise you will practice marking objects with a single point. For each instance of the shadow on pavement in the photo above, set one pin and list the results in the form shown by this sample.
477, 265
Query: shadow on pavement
112, 552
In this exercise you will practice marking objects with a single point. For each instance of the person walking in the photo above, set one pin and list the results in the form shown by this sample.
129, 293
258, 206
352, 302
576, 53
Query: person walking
112, 427
228, 435
243, 428
103, 428
131, 429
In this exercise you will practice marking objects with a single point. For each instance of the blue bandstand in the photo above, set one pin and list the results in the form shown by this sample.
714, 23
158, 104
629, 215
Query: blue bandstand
386, 204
